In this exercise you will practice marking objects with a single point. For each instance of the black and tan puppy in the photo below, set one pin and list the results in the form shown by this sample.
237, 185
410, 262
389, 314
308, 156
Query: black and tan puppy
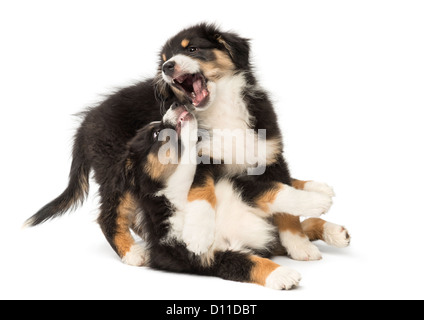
211, 70
161, 186
156, 174
159, 174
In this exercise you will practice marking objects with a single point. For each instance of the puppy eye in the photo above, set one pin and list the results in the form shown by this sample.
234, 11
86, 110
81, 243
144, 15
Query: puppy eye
192, 49
155, 134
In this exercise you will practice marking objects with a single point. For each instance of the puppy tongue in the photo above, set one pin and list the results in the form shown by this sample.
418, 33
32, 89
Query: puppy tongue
199, 91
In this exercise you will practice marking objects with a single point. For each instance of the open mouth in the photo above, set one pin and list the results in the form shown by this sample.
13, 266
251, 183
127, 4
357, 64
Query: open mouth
194, 87
182, 120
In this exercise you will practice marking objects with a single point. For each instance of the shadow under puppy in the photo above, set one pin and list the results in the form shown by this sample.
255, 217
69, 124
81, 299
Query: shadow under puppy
159, 174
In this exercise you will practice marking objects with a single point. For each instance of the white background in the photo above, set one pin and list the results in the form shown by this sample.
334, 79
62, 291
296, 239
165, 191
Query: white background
347, 78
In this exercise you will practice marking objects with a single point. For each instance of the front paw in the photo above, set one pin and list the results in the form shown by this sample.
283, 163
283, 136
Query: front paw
318, 204
199, 227
198, 241
319, 187
312, 204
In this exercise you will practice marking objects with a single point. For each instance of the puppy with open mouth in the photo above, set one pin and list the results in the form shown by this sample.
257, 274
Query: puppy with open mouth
162, 187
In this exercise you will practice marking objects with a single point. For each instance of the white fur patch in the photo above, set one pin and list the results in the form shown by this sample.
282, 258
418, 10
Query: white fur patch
225, 114
137, 256
199, 227
298, 247
239, 226
178, 185
319, 187
283, 278
184, 64
228, 123
226, 109
301, 203
336, 235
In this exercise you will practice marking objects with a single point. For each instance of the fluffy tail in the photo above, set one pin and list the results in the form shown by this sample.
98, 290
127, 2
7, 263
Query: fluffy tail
74, 194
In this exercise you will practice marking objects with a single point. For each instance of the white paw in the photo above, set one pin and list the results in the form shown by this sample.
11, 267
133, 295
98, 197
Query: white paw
137, 256
199, 242
283, 278
301, 203
319, 187
315, 204
199, 227
336, 235
299, 248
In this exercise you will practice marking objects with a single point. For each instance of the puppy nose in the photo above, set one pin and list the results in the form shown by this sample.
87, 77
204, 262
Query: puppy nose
168, 68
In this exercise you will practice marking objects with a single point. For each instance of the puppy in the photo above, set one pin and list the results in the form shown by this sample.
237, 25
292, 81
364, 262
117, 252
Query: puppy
211, 70
157, 175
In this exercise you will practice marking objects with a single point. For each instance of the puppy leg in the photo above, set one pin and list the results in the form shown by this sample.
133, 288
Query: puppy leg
243, 267
332, 234
296, 237
278, 197
117, 212
287, 203
313, 186
294, 240
199, 223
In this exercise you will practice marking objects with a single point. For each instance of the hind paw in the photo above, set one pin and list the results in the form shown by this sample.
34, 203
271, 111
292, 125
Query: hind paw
299, 248
137, 256
283, 278
336, 235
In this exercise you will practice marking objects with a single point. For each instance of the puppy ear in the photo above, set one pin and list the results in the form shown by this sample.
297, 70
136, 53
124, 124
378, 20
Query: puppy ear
237, 47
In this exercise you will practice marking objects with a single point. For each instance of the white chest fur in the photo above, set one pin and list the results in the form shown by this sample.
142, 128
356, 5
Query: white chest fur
228, 110
227, 134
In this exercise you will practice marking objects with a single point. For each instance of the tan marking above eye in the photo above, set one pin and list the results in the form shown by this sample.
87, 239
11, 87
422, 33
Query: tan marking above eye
163, 57
185, 43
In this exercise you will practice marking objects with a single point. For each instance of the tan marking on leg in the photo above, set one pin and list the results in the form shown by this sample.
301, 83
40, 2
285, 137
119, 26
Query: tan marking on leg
298, 184
262, 268
205, 192
287, 222
314, 228
185, 43
268, 197
123, 239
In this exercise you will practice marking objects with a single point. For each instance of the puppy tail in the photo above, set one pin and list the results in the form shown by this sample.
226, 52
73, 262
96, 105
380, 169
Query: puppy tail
74, 194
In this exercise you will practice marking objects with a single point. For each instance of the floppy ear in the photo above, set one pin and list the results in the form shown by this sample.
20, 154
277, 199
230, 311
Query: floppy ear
237, 47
